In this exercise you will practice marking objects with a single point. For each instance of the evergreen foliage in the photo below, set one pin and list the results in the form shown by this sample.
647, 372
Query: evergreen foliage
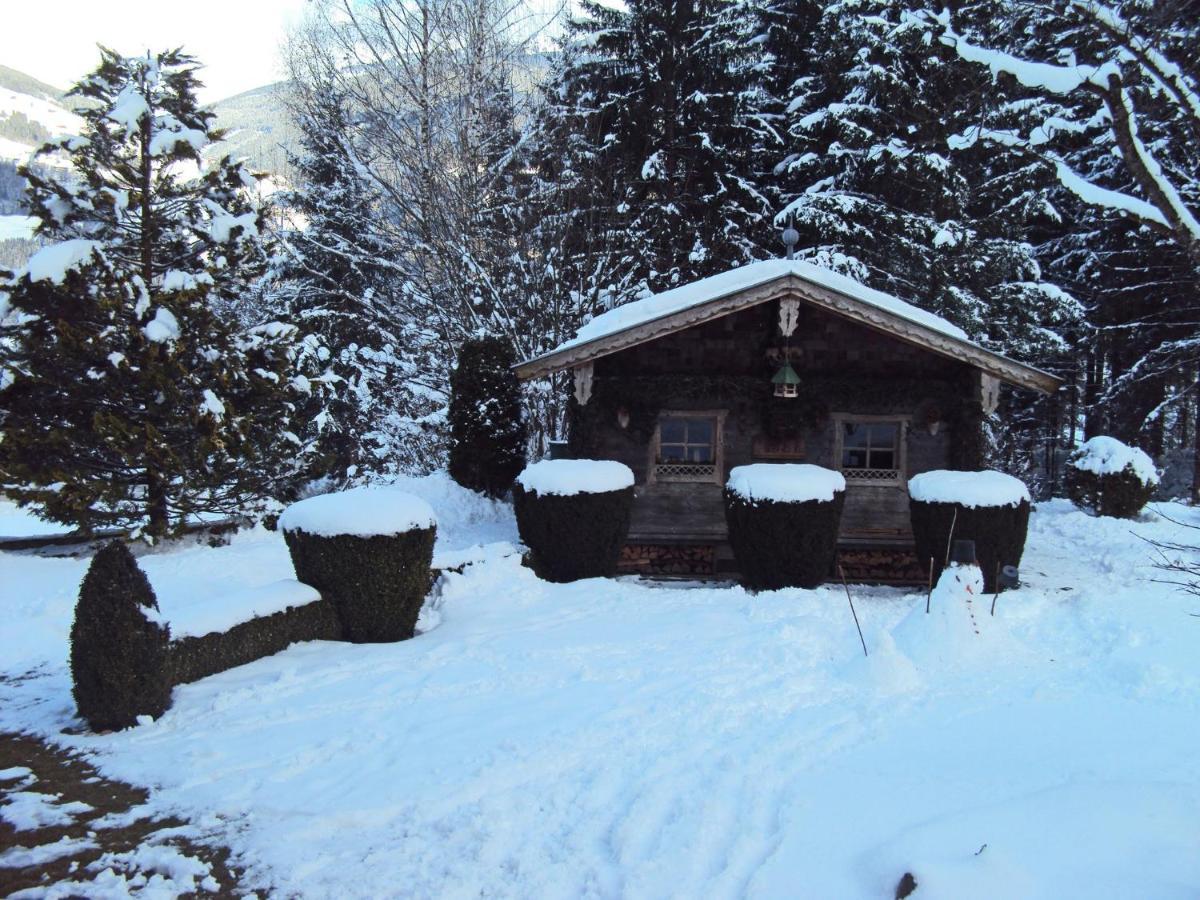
336, 280
120, 654
575, 536
877, 187
377, 584
660, 117
487, 434
129, 394
780, 545
998, 532
193, 658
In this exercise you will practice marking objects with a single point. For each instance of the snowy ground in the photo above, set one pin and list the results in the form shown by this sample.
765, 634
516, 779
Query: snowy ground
614, 738
17, 227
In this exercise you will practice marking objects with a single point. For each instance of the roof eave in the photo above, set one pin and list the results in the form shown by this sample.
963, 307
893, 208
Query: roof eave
877, 318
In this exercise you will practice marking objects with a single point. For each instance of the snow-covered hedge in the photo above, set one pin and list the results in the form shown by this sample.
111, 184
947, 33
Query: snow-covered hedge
783, 523
128, 652
972, 489
573, 514
568, 477
989, 508
369, 552
198, 652
1110, 477
120, 647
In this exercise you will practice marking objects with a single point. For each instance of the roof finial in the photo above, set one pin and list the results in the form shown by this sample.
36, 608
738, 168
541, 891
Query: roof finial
791, 237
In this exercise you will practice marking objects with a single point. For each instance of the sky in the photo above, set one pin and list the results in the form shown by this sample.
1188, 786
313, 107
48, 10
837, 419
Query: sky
238, 41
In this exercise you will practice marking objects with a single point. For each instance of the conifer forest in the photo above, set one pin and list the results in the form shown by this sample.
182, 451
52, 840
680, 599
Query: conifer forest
1028, 170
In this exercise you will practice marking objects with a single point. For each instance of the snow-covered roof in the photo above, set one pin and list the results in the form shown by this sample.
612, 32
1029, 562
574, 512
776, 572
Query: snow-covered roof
741, 279
691, 304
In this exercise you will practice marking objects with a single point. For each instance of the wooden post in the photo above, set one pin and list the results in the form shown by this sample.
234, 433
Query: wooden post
929, 595
842, 572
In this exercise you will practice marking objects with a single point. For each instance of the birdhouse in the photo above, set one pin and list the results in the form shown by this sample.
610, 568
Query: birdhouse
786, 381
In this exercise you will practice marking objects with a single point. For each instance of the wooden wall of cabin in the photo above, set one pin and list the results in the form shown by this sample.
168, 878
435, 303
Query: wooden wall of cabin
727, 365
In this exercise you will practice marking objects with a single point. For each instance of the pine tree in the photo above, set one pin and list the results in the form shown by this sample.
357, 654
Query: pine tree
1126, 242
487, 434
876, 187
336, 282
129, 397
119, 646
661, 118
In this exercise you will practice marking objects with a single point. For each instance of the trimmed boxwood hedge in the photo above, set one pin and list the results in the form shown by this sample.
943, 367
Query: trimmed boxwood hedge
1120, 494
998, 532
120, 658
194, 658
575, 536
377, 584
781, 545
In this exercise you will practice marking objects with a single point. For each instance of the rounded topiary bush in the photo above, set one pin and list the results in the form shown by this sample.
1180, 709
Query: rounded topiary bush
369, 552
487, 433
783, 523
120, 647
989, 508
573, 515
1110, 477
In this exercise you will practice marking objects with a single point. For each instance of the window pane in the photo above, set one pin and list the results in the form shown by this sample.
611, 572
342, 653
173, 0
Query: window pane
671, 453
853, 458
673, 431
700, 431
884, 435
883, 459
855, 435
701, 454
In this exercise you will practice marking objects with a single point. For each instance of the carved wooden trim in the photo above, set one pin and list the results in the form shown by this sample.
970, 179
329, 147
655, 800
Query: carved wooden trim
788, 286
583, 382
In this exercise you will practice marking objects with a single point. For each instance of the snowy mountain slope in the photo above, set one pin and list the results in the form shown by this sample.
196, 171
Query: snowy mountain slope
31, 113
613, 738
257, 127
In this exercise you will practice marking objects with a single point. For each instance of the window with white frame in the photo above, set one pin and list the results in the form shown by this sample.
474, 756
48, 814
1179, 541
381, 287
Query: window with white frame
687, 446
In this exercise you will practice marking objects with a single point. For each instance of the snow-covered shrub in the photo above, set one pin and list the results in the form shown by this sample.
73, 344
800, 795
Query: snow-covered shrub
487, 434
120, 658
989, 508
194, 658
368, 551
783, 523
573, 514
1110, 477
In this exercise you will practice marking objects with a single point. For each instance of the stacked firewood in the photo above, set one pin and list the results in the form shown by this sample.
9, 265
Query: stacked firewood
668, 559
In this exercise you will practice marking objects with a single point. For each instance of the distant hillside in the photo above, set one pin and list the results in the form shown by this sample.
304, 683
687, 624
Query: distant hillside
256, 127
21, 83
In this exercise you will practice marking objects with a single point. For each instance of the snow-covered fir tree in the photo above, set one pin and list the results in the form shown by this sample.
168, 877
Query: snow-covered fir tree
877, 188
1106, 98
128, 397
661, 114
336, 280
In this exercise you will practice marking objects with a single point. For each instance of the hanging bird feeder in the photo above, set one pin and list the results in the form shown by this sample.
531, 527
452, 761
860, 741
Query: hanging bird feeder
786, 381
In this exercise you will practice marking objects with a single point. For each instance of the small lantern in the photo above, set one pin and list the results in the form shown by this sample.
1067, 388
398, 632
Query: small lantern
786, 381
963, 553
623, 417
1010, 578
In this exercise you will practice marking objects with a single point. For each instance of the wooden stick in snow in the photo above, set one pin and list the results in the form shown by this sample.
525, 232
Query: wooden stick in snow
842, 572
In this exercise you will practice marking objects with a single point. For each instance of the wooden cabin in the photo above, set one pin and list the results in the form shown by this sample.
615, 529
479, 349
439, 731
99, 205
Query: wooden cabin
777, 361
